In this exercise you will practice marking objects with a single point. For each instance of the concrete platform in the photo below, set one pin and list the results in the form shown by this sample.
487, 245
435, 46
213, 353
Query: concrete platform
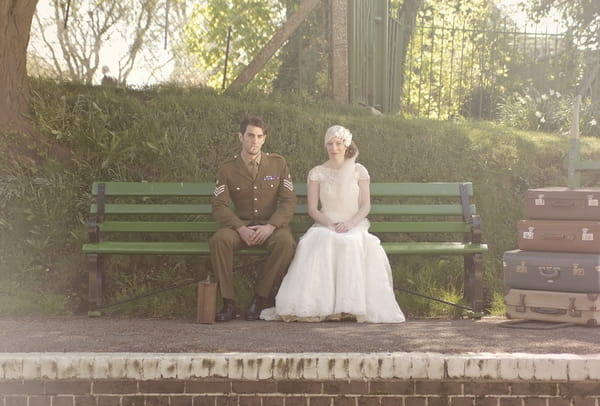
109, 334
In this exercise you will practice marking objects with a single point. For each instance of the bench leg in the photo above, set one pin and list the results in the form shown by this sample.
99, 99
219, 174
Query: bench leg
473, 288
95, 283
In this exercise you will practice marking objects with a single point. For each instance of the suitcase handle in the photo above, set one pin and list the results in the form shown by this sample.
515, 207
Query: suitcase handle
561, 203
549, 273
548, 236
546, 310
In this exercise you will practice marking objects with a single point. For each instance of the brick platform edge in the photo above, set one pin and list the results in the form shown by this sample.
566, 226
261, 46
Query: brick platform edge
263, 379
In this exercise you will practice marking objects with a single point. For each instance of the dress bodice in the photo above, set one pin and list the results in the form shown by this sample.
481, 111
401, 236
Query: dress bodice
338, 189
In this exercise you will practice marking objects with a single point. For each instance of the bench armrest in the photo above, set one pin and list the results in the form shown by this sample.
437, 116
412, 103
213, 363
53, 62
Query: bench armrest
475, 236
93, 230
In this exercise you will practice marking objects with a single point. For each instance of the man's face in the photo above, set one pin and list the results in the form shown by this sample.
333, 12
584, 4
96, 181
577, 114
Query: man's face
252, 141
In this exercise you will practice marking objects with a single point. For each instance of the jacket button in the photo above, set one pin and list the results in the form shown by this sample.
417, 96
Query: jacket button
256, 198
255, 187
255, 211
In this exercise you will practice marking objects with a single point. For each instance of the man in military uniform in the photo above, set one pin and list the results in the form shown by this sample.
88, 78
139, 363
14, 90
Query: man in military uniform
260, 186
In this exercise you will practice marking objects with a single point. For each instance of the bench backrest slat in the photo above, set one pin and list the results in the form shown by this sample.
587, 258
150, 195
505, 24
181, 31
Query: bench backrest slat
419, 227
433, 189
301, 209
159, 226
153, 208
301, 226
419, 209
155, 188
383, 189
164, 207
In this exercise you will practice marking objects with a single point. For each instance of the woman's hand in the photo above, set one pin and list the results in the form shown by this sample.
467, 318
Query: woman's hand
343, 226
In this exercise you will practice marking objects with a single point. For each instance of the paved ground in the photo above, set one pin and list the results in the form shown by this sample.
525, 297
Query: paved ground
108, 334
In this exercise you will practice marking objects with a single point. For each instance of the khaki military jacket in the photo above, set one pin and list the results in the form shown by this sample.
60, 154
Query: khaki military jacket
267, 199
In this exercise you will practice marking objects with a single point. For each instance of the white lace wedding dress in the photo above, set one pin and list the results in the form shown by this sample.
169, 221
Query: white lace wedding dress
338, 275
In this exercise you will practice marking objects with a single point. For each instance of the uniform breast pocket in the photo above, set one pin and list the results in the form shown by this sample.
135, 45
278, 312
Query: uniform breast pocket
270, 187
239, 192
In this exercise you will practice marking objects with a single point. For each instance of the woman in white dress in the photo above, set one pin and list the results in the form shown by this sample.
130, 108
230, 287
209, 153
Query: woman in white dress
339, 270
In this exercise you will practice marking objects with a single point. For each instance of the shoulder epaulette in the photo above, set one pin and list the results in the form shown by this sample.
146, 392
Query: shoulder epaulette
274, 155
230, 159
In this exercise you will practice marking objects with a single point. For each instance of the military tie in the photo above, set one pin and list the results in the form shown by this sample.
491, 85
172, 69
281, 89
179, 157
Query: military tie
253, 167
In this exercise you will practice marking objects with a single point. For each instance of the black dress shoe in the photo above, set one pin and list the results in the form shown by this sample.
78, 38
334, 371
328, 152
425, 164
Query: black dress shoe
227, 311
256, 306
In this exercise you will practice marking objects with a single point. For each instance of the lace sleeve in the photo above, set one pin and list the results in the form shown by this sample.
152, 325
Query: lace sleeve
362, 172
313, 174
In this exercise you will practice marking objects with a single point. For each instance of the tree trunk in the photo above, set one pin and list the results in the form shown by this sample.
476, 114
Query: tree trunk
263, 56
15, 27
339, 50
407, 16
19, 140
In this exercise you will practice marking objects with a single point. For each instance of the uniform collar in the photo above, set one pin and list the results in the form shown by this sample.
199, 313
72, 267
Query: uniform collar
247, 161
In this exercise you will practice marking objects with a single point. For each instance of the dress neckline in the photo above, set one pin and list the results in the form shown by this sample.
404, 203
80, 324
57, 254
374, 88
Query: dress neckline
330, 168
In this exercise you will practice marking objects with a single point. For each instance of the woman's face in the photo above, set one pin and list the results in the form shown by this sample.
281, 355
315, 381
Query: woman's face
336, 149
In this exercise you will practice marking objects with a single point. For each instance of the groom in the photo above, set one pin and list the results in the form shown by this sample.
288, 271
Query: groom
260, 187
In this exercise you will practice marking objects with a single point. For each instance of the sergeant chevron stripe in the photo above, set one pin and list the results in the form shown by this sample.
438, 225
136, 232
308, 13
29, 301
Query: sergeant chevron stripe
288, 185
219, 190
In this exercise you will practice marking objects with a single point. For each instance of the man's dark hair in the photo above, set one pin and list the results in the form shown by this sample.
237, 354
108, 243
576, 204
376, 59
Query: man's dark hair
253, 121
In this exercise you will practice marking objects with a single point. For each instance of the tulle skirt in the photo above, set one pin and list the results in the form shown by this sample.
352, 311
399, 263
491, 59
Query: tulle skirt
336, 276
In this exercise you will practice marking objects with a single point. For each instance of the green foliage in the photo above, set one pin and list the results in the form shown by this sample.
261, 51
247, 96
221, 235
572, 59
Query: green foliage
497, 306
548, 112
252, 24
182, 134
456, 57
436, 278
581, 17
304, 57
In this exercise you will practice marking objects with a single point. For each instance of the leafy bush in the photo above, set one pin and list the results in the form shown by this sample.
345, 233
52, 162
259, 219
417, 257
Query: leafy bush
549, 112
171, 134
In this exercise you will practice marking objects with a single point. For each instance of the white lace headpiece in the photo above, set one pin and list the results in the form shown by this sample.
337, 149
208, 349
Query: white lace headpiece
337, 131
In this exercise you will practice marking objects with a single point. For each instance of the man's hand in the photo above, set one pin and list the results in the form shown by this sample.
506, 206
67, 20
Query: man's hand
261, 233
255, 235
246, 234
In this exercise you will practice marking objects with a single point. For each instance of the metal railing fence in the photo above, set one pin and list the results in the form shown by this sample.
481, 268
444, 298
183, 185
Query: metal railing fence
448, 70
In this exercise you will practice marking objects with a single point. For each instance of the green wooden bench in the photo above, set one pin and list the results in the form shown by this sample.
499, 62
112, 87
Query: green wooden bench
137, 218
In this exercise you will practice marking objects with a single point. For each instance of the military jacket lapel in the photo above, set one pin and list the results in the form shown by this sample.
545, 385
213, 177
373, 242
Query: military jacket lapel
242, 170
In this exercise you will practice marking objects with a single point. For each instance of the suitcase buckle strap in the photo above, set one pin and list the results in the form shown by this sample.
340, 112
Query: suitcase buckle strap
573, 312
521, 308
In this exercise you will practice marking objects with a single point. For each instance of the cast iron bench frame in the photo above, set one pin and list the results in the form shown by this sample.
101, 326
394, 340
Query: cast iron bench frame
125, 214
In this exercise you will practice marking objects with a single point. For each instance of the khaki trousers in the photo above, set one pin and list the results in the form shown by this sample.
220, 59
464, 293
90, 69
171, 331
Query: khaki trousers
280, 246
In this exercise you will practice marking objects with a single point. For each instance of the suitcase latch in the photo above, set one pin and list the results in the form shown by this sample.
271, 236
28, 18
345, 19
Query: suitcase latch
591, 201
540, 200
578, 271
585, 236
528, 235
522, 267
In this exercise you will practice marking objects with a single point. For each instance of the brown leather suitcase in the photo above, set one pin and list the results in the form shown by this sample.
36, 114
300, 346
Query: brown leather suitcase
556, 271
562, 203
559, 235
563, 307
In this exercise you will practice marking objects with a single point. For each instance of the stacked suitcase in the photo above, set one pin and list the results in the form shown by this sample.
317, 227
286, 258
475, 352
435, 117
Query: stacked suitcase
555, 273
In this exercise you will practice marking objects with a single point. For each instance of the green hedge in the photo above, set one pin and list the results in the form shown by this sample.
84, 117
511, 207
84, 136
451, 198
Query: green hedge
179, 134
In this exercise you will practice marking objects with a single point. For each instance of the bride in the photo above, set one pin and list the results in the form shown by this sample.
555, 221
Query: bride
340, 271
